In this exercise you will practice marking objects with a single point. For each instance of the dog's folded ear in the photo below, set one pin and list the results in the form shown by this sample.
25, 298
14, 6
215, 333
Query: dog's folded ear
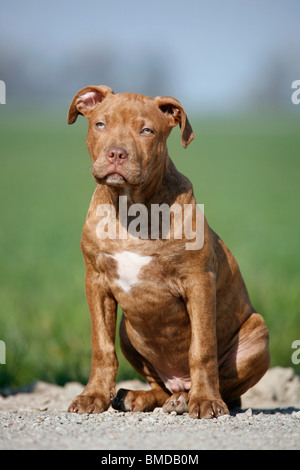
86, 99
175, 114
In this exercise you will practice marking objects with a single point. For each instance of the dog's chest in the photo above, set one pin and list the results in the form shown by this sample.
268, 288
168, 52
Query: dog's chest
139, 281
127, 269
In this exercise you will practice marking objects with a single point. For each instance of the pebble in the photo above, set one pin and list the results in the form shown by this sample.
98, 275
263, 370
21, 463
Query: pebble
158, 411
244, 416
296, 414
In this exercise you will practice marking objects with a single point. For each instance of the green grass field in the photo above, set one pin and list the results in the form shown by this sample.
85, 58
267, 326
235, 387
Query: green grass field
245, 170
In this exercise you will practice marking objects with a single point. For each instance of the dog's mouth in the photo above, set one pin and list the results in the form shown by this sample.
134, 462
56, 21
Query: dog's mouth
112, 178
117, 175
117, 179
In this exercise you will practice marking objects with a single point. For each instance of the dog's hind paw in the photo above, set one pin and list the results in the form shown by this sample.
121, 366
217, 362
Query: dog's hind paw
177, 402
138, 400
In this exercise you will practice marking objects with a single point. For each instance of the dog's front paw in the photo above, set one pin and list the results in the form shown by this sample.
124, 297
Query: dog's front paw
89, 404
207, 409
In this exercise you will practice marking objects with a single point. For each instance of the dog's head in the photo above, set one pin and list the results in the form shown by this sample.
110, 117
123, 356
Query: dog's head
128, 132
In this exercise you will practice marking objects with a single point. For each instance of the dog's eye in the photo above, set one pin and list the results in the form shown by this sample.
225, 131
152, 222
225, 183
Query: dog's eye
147, 131
100, 125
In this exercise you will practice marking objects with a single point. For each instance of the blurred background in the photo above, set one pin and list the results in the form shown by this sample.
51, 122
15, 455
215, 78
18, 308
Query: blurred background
231, 65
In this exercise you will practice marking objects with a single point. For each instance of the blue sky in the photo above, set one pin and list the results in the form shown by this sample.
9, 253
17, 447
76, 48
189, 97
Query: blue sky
212, 51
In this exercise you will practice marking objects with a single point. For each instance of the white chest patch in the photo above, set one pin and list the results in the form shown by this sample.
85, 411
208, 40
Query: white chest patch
129, 267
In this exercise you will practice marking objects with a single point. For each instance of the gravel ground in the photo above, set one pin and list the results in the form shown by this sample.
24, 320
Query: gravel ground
36, 419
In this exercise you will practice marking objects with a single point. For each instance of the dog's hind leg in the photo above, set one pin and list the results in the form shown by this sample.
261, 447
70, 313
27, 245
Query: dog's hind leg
246, 361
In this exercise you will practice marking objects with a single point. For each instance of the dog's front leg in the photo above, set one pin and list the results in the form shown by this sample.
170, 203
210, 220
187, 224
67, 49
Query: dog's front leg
97, 395
204, 398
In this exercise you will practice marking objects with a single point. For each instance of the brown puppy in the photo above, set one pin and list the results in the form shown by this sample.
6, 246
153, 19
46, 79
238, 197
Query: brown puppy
188, 326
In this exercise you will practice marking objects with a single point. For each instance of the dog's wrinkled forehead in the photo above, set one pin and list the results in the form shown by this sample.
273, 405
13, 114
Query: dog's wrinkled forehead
128, 108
